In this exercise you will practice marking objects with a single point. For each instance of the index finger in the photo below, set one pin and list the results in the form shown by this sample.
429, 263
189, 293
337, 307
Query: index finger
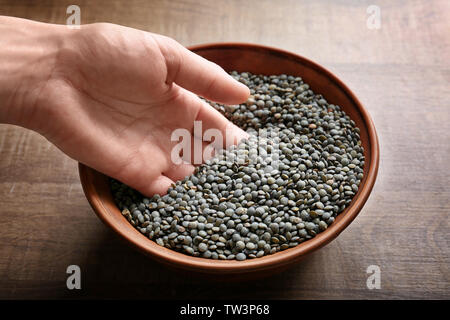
199, 75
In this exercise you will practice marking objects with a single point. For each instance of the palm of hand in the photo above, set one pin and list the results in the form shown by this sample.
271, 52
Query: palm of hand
115, 100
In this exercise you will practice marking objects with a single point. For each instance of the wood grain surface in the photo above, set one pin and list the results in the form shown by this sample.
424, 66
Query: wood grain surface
400, 72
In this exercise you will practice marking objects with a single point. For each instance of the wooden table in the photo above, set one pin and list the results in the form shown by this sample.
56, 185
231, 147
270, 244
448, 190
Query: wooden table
400, 72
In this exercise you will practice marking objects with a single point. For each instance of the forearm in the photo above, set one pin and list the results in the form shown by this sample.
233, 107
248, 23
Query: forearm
28, 51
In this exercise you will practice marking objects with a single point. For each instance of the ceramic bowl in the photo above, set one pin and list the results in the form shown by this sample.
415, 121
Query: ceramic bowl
260, 60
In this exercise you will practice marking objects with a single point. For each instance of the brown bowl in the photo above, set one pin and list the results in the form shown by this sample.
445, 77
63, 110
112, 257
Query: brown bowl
260, 60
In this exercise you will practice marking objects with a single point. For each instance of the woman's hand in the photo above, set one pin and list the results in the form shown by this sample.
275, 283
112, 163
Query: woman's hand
110, 96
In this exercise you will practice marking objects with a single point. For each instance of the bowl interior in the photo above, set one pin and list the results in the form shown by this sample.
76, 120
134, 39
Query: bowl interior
259, 60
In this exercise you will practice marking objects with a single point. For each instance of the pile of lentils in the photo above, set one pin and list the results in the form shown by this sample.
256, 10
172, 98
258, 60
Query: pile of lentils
248, 209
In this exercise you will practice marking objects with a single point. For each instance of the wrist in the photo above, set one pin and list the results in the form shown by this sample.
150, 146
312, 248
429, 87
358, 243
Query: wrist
28, 55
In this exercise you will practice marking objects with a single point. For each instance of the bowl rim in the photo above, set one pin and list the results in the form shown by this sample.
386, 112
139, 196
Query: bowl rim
276, 260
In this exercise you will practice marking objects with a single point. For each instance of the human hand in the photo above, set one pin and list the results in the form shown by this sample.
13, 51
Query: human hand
111, 96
